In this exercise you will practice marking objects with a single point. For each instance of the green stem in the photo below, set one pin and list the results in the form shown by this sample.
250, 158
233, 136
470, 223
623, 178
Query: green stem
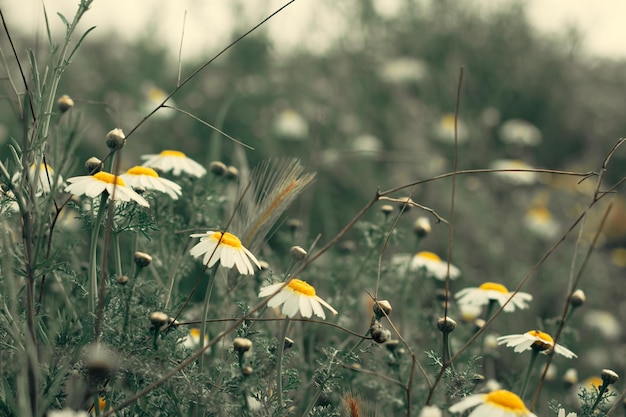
601, 392
117, 254
279, 362
205, 312
533, 359
93, 270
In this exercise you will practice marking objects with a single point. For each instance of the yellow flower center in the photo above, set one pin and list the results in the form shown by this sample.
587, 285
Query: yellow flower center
545, 341
109, 178
228, 239
492, 286
593, 381
137, 170
518, 164
428, 255
102, 403
448, 121
506, 400
156, 94
301, 287
173, 153
195, 332
618, 257
540, 214
42, 167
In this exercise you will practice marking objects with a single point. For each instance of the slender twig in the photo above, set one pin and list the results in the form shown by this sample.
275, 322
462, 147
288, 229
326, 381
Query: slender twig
206, 64
180, 50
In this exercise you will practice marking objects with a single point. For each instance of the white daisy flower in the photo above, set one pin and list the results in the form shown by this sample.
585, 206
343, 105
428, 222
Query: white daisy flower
230, 252
500, 403
94, 185
149, 179
491, 291
562, 413
174, 161
519, 132
433, 265
296, 296
44, 173
515, 177
534, 339
154, 96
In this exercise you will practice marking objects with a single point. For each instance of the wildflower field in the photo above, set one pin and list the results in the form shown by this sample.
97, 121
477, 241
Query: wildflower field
426, 218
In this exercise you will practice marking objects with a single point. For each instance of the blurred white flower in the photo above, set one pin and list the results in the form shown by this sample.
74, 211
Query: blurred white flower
367, 144
500, 403
174, 161
491, 291
515, 177
403, 70
430, 411
539, 220
562, 413
154, 96
192, 340
519, 132
149, 179
605, 322
290, 124
67, 412
444, 129
45, 177
433, 265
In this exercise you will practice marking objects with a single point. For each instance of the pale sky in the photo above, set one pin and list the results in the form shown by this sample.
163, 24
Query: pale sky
208, 21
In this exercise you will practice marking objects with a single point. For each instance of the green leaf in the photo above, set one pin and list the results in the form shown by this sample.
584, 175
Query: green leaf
69, 58
65, 22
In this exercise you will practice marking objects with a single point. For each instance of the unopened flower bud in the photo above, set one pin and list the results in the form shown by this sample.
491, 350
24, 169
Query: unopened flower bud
247, 370
379, 333
609, 376
100, 362
65, 103
142, 259
241, 344
294, 224
382, 308
139, 189
218, 168
288, 344
93, 165
232, 173
386, 209
264, 265
421, 227
347, 246
578, 298
446, 324
297, 253
122, 280
158, 319
116, 139
393, 345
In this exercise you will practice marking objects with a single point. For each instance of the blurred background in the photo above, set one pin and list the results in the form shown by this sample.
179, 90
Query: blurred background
363, 92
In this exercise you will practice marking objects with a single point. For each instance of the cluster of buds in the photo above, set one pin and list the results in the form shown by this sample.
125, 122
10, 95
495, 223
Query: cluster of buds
381, 308
242, 346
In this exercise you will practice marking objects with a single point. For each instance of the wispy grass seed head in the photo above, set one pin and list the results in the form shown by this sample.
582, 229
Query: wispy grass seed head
271, 188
